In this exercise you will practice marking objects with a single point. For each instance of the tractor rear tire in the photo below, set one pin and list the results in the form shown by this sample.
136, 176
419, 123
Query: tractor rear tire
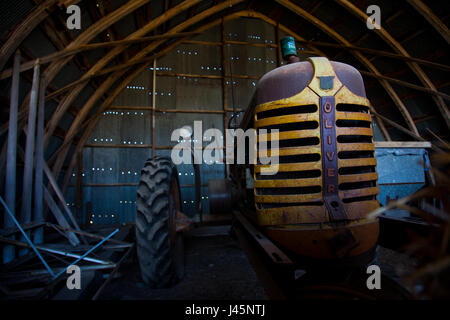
158, 199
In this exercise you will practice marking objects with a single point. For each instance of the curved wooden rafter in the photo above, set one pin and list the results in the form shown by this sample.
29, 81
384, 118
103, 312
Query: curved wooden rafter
429, 15
55, 67
394, 44
332, 33
23, 29
101, 63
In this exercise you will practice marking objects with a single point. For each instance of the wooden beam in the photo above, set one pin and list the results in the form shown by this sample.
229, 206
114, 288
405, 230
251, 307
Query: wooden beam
423, 77
61, 199
238, 43
23, 29
332, 33
67, 3
60, 39
223, 60
73, 239
429, 15
207, 76
402, 144
377, 53
54, 68
399, 127
165, 110
153, 106
113, 53
70, 52
406, 84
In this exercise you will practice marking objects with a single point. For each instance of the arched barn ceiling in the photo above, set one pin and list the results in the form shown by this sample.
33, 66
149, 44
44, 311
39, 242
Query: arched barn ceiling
404, 63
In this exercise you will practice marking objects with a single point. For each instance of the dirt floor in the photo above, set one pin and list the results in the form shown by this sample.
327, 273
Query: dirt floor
215, 268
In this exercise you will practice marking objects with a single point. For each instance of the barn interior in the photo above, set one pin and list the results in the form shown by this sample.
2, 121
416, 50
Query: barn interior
104, 84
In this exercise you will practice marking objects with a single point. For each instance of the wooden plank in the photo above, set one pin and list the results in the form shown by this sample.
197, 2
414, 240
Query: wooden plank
153, 106
60, 196
223, 60
402, 144
406, 84
38, 214
79, 186
377, 53
67, 3
27, 186
11, 157
73, 239
93, 46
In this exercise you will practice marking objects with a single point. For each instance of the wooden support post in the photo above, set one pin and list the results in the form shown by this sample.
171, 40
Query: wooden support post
60, 197
277, 42
10, 182
153, 106
224, 93
79, 187
54, 208
29, 150
381, 125
38, 214
73, 239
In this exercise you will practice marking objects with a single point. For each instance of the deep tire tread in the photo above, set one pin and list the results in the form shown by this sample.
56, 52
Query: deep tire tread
152, 223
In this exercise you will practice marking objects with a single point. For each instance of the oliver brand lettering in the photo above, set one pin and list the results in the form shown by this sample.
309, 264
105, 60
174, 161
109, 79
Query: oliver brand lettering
329, 160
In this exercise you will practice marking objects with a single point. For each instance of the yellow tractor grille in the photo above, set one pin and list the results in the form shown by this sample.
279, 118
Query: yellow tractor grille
298, 181
356, 160
295, 193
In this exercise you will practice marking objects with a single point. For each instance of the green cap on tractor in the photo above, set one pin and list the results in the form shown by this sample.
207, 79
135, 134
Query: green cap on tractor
288, 47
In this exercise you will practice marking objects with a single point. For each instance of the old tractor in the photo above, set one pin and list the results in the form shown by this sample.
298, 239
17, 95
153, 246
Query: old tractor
312, 214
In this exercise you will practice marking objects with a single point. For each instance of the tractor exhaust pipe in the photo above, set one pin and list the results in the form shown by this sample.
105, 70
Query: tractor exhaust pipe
288, 50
